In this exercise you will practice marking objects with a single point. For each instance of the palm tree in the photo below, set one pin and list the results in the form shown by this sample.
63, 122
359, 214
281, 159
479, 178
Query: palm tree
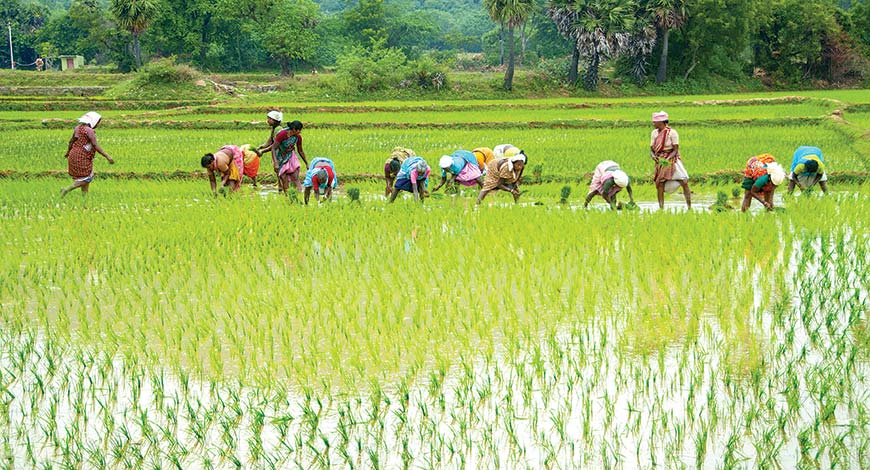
599, 29
668, 14
641, 42
134, 16
510, 13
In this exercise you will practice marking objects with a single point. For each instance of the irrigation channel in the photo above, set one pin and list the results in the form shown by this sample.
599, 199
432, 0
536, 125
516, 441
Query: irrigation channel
575, 398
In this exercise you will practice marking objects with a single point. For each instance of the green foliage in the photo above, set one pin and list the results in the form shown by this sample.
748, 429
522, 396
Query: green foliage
165, 72
290, 34
374, 69
353, 194
598, 28
367, 22
161, 78
134, 16
428, 73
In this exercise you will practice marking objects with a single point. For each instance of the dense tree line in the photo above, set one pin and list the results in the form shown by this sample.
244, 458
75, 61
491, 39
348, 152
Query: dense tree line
781, 41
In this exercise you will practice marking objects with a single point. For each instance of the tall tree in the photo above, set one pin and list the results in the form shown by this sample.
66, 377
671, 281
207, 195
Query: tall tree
134, 16
641, 42
367, 22
510, 13
290, 36
599, 29
668, 14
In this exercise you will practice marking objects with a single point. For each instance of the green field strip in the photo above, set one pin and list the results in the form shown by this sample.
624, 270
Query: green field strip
567, 152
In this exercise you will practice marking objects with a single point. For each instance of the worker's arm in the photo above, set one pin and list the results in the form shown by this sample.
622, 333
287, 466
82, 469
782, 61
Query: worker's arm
213, 181
589, 198
630, 194
301, 152
307, 194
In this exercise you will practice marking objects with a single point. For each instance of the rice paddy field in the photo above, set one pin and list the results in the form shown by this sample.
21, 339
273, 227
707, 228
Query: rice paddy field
151, 325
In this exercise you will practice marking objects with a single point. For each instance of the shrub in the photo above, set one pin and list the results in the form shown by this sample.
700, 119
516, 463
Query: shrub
428, 73
366, 70
165, 72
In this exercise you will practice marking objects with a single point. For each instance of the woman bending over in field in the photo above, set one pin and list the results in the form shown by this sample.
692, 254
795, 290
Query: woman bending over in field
273, 118
760, 179
503, 174
670, 173
413, 174
807, 169
461, 166
484, 155
80, 153
393, 165
607, 181
320, 177
231, 162
287, 149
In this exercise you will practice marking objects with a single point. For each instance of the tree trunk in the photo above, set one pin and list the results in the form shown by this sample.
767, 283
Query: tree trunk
523, 40
509, 73
575, 64
285, 68
501, 42
137, 53
662, 75
590, 82
203, 47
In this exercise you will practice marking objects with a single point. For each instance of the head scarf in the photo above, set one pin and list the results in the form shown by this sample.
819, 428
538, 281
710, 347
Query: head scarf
402, 153
90, 118
660, 116
275, 115
445, 162
520, 157
422, 166
504, 151
322, 179
620, 178
777, 174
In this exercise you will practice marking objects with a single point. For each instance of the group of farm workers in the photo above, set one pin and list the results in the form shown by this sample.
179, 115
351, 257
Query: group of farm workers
285, 146
762, 174
490, 169
497, 169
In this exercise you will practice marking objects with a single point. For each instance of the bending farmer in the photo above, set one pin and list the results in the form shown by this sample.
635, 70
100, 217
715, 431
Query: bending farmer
229, 161
393, 165
461, 166
807, 169
760, 179
320, 177
413, 173
503, 175
607, 181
